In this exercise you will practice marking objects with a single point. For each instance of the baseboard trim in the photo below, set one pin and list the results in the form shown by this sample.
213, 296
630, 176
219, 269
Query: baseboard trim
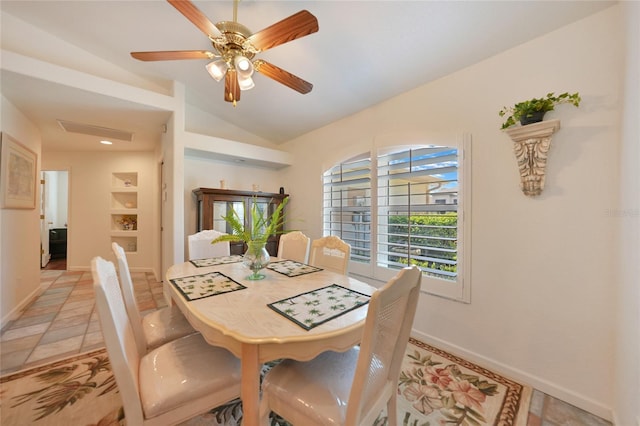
78, 268
15, 312
542, 385
88, 269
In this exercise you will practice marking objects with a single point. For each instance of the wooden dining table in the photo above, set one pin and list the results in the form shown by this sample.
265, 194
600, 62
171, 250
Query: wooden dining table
242, 321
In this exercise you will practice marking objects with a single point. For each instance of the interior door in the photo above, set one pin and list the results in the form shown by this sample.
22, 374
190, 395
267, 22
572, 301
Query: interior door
45, 256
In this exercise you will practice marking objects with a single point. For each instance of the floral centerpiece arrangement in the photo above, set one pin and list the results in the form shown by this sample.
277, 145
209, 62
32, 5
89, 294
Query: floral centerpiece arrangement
533, 110
255, 236
128, 222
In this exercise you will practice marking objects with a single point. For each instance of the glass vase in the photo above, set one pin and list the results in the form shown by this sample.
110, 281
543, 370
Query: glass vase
256, 258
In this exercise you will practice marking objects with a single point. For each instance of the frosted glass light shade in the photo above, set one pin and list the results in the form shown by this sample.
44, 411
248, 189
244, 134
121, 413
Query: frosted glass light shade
245, 83
217, 69
242, 64
244, 67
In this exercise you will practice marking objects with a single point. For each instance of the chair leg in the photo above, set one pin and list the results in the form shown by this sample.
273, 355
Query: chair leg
392, 411
264, 412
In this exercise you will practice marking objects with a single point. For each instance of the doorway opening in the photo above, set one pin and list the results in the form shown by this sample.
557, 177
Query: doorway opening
54, 218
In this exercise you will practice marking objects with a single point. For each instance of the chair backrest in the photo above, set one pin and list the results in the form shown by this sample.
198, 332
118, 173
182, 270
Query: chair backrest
389, 320
294, 246
118, 337
128, 294
200, 246
330, 253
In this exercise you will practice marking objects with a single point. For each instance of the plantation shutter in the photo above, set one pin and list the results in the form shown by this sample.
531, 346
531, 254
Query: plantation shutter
417, 205
347, 205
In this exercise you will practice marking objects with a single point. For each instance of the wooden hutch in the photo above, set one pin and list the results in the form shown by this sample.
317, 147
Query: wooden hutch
213, 204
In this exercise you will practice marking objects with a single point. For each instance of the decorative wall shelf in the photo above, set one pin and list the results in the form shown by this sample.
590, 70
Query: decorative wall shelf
124, 204
531, 145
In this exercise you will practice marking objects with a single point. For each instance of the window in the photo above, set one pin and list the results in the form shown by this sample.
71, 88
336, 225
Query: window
418, 213
347, 206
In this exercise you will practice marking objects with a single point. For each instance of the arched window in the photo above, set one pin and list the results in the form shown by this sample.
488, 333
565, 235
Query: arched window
404, 205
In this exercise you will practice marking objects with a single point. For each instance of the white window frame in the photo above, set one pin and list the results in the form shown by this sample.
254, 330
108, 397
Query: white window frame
347, 195
460, 289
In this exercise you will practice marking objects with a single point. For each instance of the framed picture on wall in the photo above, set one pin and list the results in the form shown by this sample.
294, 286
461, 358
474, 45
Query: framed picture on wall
18, 166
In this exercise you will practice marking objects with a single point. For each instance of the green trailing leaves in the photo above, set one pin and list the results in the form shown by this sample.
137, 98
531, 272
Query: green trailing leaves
527, 109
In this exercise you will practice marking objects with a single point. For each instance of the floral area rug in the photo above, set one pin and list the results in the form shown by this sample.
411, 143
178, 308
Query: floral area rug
80, 390
435, 387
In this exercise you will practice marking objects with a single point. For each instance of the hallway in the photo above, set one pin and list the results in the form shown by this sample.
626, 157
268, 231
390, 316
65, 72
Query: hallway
63, 321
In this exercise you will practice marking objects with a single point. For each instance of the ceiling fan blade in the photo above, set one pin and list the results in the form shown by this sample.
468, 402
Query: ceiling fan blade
198, 18
282, 76
170, 55
231, 87
295, 26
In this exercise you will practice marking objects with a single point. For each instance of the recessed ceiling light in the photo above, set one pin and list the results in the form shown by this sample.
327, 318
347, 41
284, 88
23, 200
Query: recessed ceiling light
106, 142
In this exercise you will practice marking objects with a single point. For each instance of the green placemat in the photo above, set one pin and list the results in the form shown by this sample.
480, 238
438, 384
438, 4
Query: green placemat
213, 261
205, 285
291, 268
316, 307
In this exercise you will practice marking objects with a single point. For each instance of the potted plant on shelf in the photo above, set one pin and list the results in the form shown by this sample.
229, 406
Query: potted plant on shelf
533, 110
255, 237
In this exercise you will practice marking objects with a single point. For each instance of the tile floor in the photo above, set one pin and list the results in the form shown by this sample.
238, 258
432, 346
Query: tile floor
62, 321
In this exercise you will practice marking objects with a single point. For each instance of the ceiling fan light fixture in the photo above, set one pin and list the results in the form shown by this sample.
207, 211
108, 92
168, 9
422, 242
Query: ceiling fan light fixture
243, 66
242, 63
245, 83
217, 69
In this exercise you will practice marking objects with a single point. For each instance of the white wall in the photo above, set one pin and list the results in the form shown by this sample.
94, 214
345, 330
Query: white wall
172, 199
201, 122
627, 218
19, 228
90, 184
543, 288
53, 50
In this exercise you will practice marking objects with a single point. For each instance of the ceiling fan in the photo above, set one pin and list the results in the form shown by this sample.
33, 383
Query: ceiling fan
235, 47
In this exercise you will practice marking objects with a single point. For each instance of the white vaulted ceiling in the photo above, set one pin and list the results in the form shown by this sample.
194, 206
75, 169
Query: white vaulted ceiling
364, 52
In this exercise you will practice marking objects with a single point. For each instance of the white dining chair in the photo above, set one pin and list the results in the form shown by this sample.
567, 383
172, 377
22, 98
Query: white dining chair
155, 328
330, 253
170, 384
200, 246
353, 387
294, 246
